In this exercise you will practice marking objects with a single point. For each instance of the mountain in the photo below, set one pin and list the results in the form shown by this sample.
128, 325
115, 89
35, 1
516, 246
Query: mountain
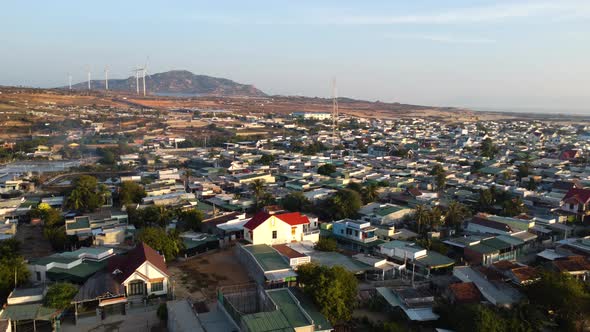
178, 83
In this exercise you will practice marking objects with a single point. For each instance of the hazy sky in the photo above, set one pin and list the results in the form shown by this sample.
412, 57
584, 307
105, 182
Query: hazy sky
458, 53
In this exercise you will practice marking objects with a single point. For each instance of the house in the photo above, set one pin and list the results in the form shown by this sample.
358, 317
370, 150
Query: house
576, 202
73, 266
265, 228
266, 265
142, 272
384, 214
576, 266
25, 309
424, 261
569, 154
416, 303
356, 235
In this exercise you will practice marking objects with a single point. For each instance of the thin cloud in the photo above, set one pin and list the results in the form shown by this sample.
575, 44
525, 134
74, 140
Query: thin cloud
557, 9
444, 39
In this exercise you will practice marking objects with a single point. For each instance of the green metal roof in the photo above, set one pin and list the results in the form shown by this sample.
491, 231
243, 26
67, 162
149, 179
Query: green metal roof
28, 312
496, 243
483, 249
83, 222
287, 305
384, 211
434, 260
77, 274
273, 321
55, 258
268, 258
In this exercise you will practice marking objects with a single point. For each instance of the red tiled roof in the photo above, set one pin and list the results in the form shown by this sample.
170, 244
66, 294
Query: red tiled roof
568, 154
292, 218
583, 195
572, 264
257, 220
287, 251
465, 292
127, 264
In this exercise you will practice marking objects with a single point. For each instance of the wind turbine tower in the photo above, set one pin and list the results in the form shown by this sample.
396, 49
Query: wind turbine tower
143, 72
88, 79
70, 80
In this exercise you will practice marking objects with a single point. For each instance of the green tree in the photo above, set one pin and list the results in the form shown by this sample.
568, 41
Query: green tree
60, 295
131, 192
456, 214
192, 219
352, 185
370, 193
326, 244
477, 165
326, 169
422, 216
333, 290
168, 244
440, 176
11, 265
345, 203
86, 195
266, 159
523, 170
513, 207
486, 200
563, 295
488, 148
258, 188
295, 201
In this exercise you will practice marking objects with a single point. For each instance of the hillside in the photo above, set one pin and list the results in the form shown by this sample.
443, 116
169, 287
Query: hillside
181, 83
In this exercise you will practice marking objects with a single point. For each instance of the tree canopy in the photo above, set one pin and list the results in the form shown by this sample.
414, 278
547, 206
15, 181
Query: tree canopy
326, 169
131, 192
169, 244
333, 289
295, 201
345, 203
87, 194
60, 295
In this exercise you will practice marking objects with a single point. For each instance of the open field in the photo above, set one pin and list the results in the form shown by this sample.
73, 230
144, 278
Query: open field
199, 277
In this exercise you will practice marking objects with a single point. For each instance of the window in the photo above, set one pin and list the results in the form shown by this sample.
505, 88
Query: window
157, 286
293, 230
571, 206
274, 234
38, 275
356, 233
136, 288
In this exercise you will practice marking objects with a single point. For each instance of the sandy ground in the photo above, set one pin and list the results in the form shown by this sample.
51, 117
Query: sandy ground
199, 277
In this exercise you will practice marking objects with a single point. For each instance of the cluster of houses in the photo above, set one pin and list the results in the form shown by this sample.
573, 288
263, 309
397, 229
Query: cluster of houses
488, 257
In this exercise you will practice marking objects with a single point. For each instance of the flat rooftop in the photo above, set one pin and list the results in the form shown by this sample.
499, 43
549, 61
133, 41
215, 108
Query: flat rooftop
268, 258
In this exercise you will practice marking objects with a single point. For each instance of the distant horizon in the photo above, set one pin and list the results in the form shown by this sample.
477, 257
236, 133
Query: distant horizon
489, 53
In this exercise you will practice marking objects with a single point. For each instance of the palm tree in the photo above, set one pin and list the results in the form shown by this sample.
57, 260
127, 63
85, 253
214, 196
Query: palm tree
76, 199
435, 217
104, 193
422, 216
456, 214
371, 192
257, 187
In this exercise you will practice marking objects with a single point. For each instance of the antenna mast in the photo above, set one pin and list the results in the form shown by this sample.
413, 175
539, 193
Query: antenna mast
106, 78
88, 78
334, 111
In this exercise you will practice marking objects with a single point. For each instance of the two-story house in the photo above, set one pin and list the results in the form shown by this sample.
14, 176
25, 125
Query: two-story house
576, 202
356, 235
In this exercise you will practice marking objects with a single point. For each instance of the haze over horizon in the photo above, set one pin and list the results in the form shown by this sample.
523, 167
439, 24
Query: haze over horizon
480, 54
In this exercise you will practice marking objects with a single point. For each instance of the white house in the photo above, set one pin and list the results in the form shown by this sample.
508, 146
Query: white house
269, 229
142, 272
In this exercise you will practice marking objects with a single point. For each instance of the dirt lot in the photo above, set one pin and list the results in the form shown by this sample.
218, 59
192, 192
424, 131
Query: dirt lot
199, 277
33, 244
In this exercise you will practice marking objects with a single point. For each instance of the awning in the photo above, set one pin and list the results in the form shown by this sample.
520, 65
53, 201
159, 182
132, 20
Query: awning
112, 301
277, 276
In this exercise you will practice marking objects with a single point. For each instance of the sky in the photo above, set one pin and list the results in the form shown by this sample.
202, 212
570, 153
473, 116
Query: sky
484, 54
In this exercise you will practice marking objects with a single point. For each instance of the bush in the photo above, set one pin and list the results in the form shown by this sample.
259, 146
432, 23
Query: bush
162, 312
59, 296
326, 244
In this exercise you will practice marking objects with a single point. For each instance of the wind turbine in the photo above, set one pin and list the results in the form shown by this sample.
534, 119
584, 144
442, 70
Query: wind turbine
137, 72
143, 73
70, 80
